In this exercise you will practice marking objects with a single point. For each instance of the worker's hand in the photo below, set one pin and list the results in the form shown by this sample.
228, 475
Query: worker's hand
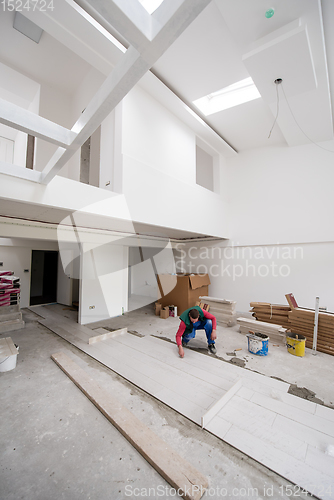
181, 351
213, 335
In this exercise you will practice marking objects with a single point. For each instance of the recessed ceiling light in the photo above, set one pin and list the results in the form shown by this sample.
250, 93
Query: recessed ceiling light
228, 97
269, 13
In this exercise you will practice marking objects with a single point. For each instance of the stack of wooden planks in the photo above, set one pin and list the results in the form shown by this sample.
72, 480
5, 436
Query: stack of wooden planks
275, 332
271, 313
302, 322
224, 310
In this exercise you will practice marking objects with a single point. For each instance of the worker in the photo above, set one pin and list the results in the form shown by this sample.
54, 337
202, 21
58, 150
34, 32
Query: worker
194, 319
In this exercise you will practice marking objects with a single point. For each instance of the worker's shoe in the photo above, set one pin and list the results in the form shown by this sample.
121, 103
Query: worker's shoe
212, 348
184, 344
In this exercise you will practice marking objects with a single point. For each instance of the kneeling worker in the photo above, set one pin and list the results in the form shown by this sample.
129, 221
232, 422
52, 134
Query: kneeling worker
194, 319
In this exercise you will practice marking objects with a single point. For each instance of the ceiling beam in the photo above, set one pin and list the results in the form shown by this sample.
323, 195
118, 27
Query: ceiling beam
130, 69
21, 172
129, 19
21, 119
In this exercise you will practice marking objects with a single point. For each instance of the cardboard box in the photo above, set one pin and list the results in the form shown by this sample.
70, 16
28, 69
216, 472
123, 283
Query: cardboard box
164, 313
157, 308
182, 290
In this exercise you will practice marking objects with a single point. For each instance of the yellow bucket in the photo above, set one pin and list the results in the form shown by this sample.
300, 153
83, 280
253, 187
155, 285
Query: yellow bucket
296, 344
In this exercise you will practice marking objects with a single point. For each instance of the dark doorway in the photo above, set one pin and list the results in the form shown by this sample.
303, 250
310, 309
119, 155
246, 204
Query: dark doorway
43, 285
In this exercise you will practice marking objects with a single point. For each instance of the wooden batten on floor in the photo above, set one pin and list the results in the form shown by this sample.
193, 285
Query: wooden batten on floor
107, 335
179, 473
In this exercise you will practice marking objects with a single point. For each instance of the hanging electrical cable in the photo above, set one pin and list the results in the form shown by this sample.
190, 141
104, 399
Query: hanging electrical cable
278, 81
293, 116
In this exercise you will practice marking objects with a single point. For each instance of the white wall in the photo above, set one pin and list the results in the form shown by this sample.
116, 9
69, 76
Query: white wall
159, 170
281, 208
155, 137
107, 152
265, 273
104, 280
24, 92
55, 105
158, 199
281, 195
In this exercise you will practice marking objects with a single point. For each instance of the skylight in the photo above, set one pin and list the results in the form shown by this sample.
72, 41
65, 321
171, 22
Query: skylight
151, 5
230, 96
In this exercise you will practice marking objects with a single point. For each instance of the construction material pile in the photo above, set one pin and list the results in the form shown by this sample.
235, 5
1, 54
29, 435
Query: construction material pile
271, 313
9, 288
224, 310
275, 332
302, 323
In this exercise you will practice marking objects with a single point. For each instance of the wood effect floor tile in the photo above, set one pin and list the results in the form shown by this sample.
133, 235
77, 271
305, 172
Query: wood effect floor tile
219, 427
259, 422
294, 470
291, 428
325, 412
296, 414
319, 460
185, 407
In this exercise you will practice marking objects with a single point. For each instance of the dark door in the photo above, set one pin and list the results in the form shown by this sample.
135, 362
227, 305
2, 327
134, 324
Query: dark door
43, 285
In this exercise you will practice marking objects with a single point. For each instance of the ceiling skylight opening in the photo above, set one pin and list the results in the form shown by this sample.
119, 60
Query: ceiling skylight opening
233, 95
151, 5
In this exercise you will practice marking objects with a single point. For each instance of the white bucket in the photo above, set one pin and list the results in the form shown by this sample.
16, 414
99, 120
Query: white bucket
8, 363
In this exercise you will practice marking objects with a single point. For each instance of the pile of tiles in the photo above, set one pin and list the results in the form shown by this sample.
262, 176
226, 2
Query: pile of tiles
9, 289
271, 313
275, 332
224, 310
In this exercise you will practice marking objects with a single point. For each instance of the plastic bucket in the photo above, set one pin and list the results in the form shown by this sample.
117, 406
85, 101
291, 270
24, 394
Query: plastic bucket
296, 344
258, 343
8, 363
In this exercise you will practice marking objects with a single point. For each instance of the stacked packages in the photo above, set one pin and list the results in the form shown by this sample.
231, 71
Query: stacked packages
223, 310
9, 288
275, 332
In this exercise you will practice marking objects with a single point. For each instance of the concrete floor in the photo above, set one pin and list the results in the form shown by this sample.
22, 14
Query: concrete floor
55, 444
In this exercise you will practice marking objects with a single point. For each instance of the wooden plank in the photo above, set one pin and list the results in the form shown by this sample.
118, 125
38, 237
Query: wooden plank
253, 322
276, 307
7, 347
179, 473
104, 336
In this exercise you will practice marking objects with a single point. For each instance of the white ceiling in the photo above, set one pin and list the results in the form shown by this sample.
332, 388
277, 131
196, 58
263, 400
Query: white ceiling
209, 55
49, 61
